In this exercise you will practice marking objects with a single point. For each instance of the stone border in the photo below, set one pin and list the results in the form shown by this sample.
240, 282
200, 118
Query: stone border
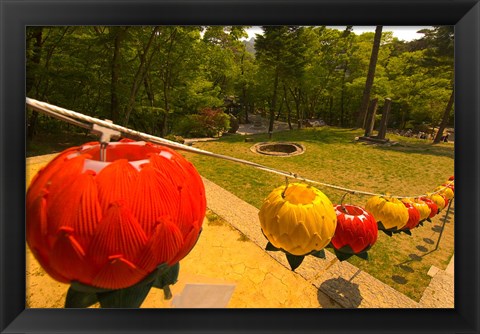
300, 149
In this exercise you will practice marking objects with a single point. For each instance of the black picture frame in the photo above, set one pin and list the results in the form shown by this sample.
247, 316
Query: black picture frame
17, 14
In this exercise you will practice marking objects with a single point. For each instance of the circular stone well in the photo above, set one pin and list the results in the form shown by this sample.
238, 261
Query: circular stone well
279, 149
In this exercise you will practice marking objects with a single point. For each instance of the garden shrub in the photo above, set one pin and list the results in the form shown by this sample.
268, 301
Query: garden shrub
175, 138
208, 123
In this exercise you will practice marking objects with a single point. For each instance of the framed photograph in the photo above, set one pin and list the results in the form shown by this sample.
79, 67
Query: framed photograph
32, 304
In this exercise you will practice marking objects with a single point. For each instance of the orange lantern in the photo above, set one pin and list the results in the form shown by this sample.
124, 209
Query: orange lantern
109, 224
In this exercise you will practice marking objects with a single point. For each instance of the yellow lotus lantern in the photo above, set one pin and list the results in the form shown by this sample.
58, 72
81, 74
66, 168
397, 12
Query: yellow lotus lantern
445, 191
438, 199
299, 220
390, 213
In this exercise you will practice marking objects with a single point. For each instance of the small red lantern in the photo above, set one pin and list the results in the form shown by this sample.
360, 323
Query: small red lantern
108, 223
431, 204
445, 199
413, 217
356, 231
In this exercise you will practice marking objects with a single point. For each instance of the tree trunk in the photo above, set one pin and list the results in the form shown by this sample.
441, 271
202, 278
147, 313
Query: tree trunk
370, 76
33, 62
244, 88
296, 98
167, 84
274, 102
382, 131
289, 111
280, 108
148, 89
342, 96
115, 73
330, 116
244, 104
34, 84
372, 111
166, 100
444, 122
140, 75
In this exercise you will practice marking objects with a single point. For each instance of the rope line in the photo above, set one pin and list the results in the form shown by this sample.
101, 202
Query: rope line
72, 117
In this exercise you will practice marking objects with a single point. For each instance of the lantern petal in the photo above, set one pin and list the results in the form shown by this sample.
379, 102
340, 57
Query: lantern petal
185, 217
317, 243
300, 235
163, 162
154, 196
116, 182
44, 175
118, 273
68, 254
189, 242
76, 207
288, 217
63, 177
165, 243
36, 224
89, 212
268, 215
117, 233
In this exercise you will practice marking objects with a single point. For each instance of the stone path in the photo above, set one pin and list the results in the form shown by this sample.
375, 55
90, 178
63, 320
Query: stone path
440, 291
260, 125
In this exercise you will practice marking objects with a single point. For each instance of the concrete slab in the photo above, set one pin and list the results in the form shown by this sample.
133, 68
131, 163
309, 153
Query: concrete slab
198, 295
433, 271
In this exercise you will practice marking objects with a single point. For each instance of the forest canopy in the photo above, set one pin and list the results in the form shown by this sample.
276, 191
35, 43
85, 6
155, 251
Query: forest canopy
166, 80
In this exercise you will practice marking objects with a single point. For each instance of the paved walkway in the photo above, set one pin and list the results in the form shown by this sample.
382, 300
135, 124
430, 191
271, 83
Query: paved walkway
260, 125
440, 291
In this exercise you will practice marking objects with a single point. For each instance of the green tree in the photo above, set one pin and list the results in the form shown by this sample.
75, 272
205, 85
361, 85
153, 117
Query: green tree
440, 54
280, 53
370, 77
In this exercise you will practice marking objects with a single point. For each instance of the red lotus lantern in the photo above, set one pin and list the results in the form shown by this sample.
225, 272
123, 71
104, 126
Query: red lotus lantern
109, 223
445, 198
355, 233
413, 218
433, 207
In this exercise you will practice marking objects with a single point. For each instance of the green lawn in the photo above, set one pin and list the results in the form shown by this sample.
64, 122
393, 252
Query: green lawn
332, 156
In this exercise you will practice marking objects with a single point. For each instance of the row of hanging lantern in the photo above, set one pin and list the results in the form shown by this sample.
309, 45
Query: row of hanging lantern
106, 218
300, 220
115, 219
